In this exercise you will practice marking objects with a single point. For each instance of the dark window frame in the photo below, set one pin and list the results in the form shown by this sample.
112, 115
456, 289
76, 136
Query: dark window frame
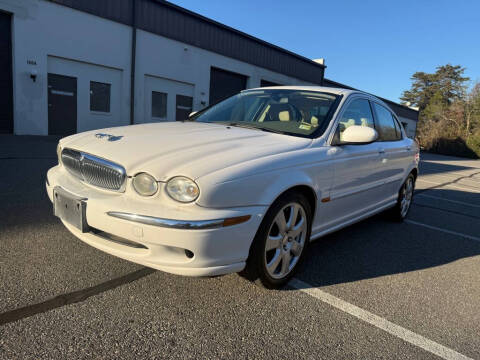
400, 126
94, 103
166, 104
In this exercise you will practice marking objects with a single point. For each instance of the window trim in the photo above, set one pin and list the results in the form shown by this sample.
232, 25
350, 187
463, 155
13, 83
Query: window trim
400, 127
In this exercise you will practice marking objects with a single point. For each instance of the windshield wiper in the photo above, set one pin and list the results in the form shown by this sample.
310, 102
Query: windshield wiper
246, 126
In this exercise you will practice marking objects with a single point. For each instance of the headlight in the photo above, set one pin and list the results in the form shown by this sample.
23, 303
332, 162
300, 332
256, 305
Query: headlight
145, 184
182, 189
59, 153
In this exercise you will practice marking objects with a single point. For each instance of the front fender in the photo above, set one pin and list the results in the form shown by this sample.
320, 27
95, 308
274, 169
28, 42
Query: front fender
261, 189
261, 181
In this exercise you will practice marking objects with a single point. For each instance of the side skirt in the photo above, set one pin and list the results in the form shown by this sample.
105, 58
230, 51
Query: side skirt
352, 221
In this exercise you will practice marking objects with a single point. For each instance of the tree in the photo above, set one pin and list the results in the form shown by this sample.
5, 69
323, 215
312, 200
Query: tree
446, 85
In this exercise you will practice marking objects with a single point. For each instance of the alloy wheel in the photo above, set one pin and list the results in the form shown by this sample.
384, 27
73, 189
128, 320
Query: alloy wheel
285, 240
406, 196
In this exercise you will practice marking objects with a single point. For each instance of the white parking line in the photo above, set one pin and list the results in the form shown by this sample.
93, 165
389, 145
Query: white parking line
449, 200
470, 237
453, 186
379, 322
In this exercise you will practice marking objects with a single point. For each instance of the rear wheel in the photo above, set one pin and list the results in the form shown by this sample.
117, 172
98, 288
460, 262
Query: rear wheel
280, 242
404, 200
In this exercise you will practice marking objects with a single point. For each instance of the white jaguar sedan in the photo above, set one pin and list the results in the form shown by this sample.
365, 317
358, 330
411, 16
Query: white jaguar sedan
241, 186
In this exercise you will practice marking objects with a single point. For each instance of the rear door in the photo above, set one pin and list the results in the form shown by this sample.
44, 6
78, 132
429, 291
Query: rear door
395, 149
358, 176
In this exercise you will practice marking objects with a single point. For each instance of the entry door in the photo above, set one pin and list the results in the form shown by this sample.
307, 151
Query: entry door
62, 105
6, 89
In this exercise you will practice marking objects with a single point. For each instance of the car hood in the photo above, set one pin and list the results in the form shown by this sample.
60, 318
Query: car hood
181, 148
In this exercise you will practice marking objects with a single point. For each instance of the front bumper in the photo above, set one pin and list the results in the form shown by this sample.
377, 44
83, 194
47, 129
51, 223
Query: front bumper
201, 248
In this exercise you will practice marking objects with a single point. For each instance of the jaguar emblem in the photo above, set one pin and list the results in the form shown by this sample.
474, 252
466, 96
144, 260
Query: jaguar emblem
109, 137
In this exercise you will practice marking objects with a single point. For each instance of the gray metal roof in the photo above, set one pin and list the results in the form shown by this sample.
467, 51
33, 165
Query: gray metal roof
169, 20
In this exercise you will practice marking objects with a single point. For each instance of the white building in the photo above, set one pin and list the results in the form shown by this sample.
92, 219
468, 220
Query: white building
68, 66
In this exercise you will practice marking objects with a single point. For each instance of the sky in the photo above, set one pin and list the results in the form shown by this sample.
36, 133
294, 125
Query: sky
372, 45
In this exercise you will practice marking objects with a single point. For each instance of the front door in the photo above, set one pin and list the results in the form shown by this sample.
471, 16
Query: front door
357, 186
62, 105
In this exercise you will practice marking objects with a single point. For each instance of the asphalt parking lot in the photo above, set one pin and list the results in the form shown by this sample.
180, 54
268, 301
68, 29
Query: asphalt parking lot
377, 289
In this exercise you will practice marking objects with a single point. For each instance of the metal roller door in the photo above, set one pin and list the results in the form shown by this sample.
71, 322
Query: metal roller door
224, 84
6, 88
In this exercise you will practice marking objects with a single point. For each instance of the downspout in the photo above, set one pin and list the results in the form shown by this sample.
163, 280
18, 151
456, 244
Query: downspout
132, 67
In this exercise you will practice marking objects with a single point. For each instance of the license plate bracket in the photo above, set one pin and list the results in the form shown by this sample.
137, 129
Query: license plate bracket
70, 208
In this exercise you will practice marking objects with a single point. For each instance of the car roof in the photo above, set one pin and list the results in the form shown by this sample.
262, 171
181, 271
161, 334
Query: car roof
332, 90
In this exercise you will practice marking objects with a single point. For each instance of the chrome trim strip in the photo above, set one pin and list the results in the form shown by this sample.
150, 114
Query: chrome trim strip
168, 223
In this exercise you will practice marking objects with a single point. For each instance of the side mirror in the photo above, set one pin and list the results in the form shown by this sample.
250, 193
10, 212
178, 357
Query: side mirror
356, 134
192, 113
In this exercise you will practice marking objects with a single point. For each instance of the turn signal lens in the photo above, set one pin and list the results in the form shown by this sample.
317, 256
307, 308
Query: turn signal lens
182, 189
236, 220
145, 184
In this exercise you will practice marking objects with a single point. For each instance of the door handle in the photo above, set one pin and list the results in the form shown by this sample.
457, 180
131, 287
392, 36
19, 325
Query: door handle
381, 151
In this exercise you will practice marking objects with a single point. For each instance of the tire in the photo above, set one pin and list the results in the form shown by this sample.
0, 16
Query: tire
405, 197
279, 247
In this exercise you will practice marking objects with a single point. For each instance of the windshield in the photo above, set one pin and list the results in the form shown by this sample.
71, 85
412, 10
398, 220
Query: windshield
291, 112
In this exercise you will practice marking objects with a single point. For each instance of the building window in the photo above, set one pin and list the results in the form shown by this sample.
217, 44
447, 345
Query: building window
159, 104
99, 96
184, 107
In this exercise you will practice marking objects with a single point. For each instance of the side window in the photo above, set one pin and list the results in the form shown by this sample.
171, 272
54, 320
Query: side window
398, 128
385, 123
358, 113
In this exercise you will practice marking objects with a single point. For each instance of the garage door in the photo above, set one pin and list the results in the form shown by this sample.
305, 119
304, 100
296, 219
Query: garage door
224, 84
6, 89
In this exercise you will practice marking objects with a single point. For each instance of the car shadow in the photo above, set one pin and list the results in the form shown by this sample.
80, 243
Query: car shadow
379, 247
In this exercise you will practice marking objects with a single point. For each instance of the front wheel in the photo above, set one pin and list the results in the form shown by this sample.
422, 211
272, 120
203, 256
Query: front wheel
404, 200
280, 243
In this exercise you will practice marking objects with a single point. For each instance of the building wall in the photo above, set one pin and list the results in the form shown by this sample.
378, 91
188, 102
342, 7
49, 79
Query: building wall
168, 59
48, 37
42, 31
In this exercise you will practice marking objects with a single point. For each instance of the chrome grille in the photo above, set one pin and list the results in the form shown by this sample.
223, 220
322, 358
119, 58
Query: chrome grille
94, 170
